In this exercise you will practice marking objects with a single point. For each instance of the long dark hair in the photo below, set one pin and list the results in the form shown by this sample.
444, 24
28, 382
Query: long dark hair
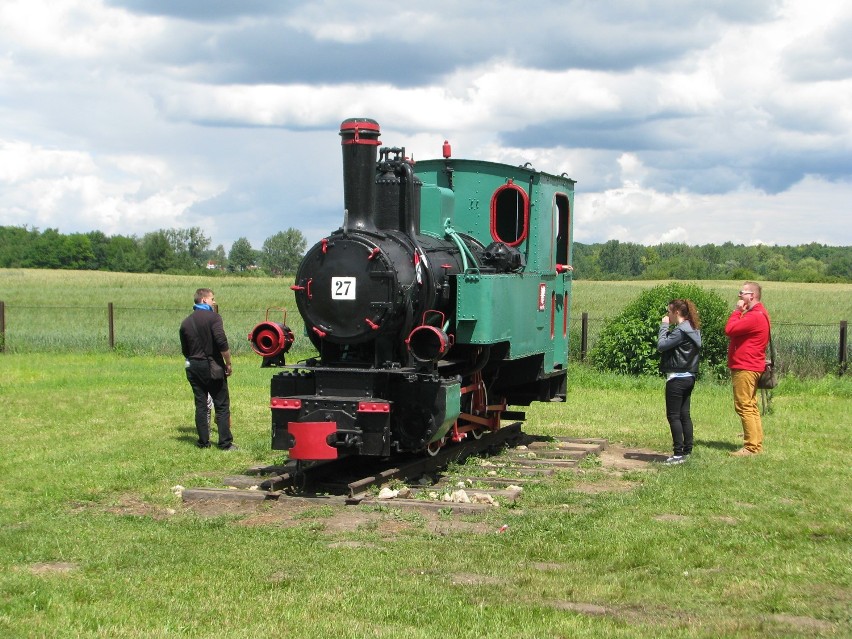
687, 309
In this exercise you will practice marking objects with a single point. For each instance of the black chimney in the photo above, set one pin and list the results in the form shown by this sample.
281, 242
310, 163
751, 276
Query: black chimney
359, 139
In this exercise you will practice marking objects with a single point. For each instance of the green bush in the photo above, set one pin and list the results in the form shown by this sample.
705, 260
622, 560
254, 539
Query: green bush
628, 342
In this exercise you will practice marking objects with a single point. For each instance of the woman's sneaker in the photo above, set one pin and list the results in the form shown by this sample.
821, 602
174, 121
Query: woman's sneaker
675, 459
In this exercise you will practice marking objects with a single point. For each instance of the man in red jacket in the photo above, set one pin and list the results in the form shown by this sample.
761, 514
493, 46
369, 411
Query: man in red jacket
748, 332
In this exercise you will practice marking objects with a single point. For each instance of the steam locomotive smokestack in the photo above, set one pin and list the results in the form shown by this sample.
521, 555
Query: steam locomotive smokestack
359, 139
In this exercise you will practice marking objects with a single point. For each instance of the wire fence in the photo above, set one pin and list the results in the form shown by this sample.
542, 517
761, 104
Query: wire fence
807, 350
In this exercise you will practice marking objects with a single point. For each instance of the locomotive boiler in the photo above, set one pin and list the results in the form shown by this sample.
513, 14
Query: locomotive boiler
440, 303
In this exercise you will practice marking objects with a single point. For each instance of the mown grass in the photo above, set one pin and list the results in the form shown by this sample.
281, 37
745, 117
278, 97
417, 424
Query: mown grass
93, 542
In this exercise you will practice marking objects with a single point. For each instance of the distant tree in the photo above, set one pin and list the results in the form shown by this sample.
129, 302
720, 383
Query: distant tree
839, 266
242, 255
125, 254
621, 260
189, 247
47, 250
219, 257
651, 257
777, 267
78, 252
281, 252
99, 243
585, 262
810, 269
668, 250
158, 251
14, 245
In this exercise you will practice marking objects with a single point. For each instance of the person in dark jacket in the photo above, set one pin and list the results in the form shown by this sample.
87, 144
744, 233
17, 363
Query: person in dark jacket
679, 344
202, 338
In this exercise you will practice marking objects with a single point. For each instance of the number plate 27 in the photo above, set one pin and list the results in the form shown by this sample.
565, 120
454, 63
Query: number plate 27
343, 288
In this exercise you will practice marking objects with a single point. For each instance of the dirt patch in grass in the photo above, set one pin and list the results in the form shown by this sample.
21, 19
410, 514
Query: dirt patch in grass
800, 624
52, 567
126, 505
670, 517
660, 616
387, 521
606, 485
655, 616
135, 507
616, 462
472, 579
619, 460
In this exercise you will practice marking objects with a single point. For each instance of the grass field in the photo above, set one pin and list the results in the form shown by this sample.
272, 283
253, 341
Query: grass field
67, 310
94, 543
790, 302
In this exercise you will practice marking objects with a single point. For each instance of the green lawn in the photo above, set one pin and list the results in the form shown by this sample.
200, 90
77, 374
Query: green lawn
93, 542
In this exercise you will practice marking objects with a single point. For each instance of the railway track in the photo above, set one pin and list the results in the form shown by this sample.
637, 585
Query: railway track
512, 459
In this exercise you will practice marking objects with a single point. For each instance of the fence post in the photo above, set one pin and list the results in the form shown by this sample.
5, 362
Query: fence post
111, 322
584, 336
842, 354
2, 326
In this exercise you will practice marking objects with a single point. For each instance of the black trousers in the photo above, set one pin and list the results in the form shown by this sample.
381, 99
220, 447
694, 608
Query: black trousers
198, 375
678, 395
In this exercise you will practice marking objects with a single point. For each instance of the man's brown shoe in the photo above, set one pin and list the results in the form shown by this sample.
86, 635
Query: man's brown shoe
742, 452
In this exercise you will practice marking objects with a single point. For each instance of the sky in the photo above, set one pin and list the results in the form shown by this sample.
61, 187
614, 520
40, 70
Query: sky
694, 122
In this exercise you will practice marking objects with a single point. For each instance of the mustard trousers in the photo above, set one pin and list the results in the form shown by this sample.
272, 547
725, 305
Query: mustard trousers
745, 403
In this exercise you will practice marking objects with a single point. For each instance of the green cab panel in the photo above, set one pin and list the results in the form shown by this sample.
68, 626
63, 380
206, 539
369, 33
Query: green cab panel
496, 308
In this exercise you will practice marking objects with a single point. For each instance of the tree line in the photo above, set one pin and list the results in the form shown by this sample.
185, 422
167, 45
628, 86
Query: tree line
176, 251
187, 251
615, 260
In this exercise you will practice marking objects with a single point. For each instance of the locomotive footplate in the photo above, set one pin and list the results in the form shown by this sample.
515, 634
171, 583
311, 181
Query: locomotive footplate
317, 428
327, 413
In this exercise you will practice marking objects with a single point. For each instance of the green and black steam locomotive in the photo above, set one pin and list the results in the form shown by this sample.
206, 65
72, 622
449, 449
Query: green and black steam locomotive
441, 302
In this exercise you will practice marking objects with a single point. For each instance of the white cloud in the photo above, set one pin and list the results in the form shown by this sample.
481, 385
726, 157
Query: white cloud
72, 28
747, 217
708, 124
117, 195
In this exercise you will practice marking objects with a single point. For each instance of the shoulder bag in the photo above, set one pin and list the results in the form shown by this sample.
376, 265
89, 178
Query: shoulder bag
769, 377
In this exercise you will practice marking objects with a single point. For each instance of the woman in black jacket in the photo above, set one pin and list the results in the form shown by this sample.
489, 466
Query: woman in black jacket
679, 343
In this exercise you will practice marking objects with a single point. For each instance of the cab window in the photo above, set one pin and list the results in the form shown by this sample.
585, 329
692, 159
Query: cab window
510, 214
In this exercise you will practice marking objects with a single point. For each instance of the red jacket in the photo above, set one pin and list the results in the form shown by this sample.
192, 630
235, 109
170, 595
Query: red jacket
748, 333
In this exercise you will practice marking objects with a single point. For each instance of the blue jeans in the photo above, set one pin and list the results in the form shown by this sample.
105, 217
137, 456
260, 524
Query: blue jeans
678, 395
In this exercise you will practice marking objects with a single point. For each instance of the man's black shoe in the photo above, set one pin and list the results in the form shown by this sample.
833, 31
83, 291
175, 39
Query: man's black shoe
200, 445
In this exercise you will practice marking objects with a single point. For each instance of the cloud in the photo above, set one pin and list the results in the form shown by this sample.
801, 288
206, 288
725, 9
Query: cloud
678, 120
118, 195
